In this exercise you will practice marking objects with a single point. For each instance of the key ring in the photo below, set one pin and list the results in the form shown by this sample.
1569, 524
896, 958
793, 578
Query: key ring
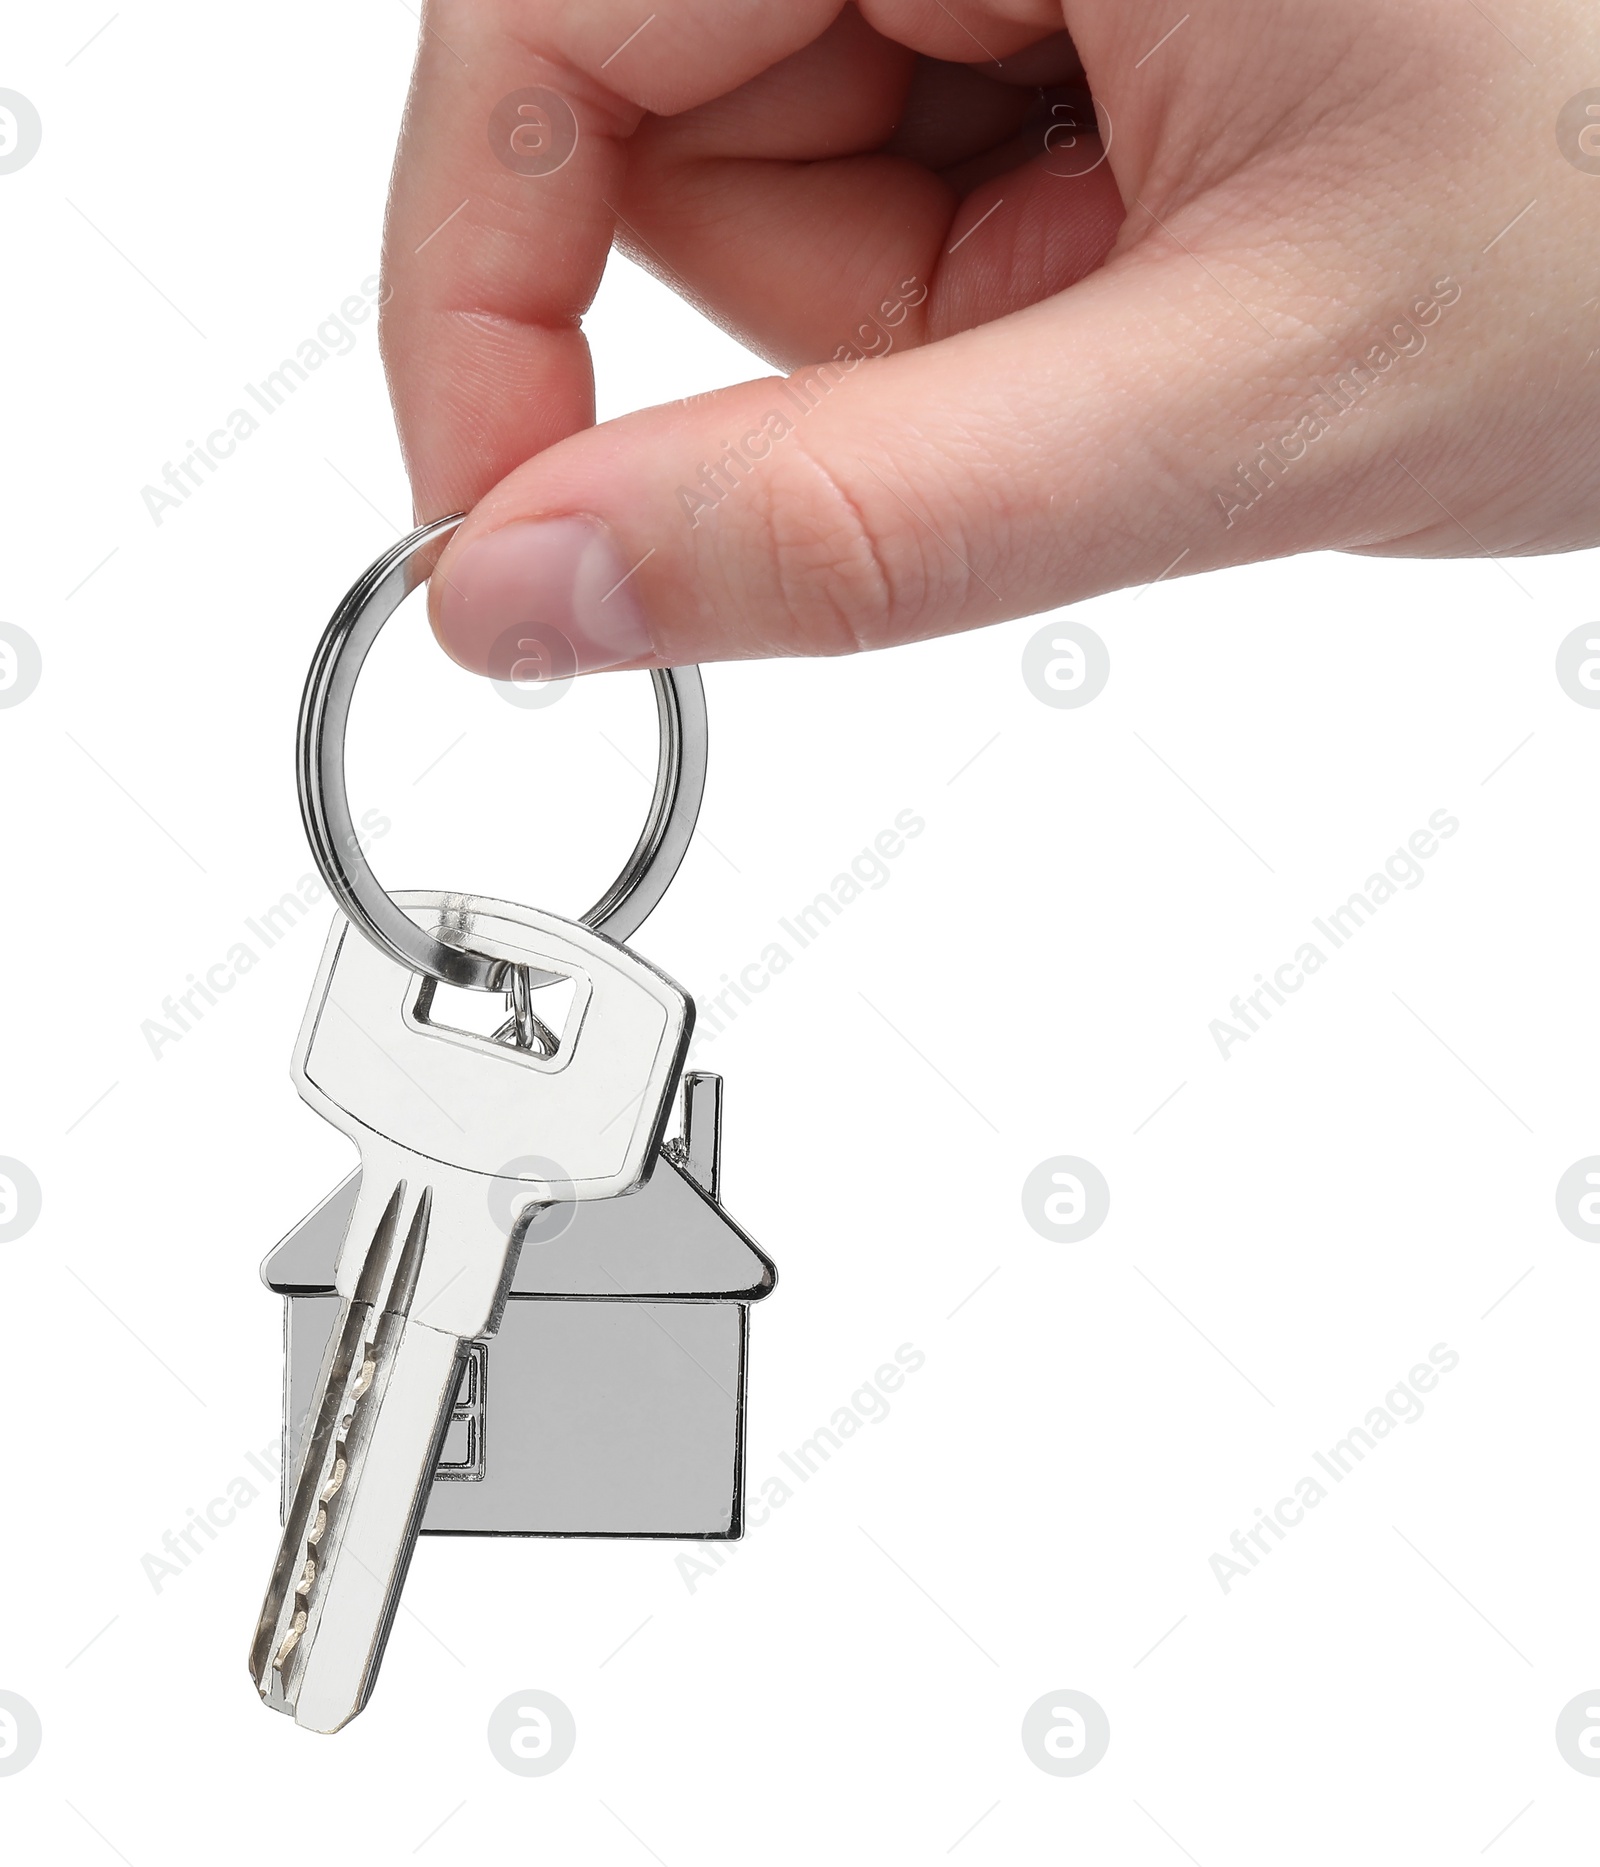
325, 801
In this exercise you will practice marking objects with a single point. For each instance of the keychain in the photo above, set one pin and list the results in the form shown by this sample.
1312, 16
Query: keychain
525, 1313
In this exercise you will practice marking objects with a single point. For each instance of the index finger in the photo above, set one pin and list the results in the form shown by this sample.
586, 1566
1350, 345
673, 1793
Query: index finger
512, 149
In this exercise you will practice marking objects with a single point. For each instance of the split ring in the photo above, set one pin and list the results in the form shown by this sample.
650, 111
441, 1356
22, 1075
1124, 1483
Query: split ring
325, 802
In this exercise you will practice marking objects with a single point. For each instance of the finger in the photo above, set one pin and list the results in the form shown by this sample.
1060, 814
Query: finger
1076, 447
499, 226
763, 206
767, 206
1027, 234
953, 113
990, 32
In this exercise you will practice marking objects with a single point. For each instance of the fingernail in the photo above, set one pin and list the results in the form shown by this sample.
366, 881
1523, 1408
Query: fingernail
540, 600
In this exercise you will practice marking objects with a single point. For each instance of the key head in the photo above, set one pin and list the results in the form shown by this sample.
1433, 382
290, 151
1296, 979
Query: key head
369, 1059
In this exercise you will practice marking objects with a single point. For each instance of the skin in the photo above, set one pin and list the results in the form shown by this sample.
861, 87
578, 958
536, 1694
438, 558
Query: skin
1101, 343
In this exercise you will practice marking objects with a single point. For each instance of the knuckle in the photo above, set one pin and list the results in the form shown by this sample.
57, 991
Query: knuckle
848, 569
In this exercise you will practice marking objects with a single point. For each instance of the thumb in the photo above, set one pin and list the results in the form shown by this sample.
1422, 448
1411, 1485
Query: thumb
1075, 447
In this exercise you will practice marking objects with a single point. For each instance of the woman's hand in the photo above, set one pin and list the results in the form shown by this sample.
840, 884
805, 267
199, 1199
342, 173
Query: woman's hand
1332, 279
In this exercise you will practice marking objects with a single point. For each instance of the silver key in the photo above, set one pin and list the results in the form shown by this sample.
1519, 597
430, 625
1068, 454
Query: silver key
446, 1122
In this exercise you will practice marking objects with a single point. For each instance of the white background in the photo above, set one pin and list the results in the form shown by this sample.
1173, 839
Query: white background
1293, 1230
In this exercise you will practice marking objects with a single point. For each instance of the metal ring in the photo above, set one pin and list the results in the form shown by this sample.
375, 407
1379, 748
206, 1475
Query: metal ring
325, 802
527, 1028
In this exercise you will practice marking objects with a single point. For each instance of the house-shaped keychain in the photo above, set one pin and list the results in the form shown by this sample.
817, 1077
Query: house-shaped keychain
611, 1401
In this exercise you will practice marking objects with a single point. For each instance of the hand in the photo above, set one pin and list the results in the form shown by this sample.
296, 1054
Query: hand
1332, 279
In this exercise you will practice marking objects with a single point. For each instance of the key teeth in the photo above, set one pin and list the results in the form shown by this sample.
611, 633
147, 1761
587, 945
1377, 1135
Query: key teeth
275, 1686
379, 1261
402, 1269
331, 1488
329, 1685
290, 1641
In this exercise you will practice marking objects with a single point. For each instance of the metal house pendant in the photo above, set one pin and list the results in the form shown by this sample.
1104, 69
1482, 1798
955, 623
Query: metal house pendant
611, 1400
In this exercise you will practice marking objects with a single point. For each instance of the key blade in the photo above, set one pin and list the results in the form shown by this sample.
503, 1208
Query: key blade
343, 1377
386, 1392
364, 1561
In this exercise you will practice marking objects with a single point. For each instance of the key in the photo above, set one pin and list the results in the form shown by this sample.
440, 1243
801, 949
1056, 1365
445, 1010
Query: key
442, 1119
